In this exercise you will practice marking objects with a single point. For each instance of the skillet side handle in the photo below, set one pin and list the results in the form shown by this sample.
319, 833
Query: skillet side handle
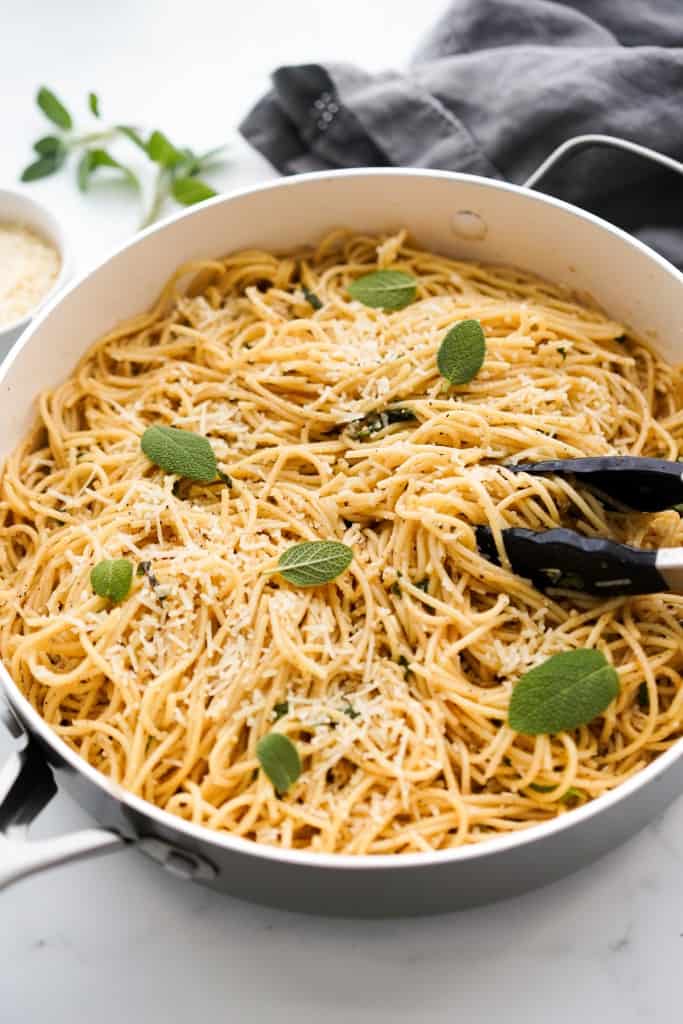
26, 787
575, 145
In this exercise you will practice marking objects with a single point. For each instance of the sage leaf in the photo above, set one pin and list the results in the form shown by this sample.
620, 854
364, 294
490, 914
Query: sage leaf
567, 690
312, 299
180, 452
161, 150
363, 428
49, 145
145, 569
189, 191
94, 158
405, 665
112, 578
281, 709
191, 163
94, 103
384, 289
461, 353
134, 135
44, 167
212, 157
280, 760
572, 793
54, 109
313, 562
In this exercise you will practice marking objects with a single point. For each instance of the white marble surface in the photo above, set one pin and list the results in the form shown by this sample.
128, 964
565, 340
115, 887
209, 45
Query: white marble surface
118, 940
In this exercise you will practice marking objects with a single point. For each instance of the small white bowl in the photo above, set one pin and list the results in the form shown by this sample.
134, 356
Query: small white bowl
17, 208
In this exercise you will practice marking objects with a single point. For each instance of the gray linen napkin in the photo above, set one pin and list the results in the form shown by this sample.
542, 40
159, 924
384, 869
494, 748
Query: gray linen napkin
494, 87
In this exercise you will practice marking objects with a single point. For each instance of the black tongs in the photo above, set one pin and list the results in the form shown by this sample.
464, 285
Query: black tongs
567, 560
638, 483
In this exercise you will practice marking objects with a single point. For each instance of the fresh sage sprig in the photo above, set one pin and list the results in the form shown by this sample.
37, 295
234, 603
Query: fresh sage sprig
462, 352
112, 578
568, 690
313, 562
53, 150
384, 289
280, 760
177, 168
182, 453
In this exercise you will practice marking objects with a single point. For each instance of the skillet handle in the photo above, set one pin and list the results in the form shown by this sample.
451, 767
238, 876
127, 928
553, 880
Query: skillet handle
26, 786
575, 145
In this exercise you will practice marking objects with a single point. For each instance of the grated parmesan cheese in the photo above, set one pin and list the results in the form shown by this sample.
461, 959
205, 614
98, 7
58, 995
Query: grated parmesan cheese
28, 269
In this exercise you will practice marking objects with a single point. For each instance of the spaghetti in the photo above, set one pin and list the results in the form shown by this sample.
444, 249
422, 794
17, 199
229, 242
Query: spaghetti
394, 679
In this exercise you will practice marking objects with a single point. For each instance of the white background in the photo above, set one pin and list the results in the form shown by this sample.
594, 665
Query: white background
118, 940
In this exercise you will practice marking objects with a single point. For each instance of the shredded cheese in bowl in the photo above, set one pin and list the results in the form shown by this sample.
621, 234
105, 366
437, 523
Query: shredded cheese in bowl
29, 267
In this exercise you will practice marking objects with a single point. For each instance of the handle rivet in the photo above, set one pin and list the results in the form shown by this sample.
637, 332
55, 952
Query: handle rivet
468, 225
